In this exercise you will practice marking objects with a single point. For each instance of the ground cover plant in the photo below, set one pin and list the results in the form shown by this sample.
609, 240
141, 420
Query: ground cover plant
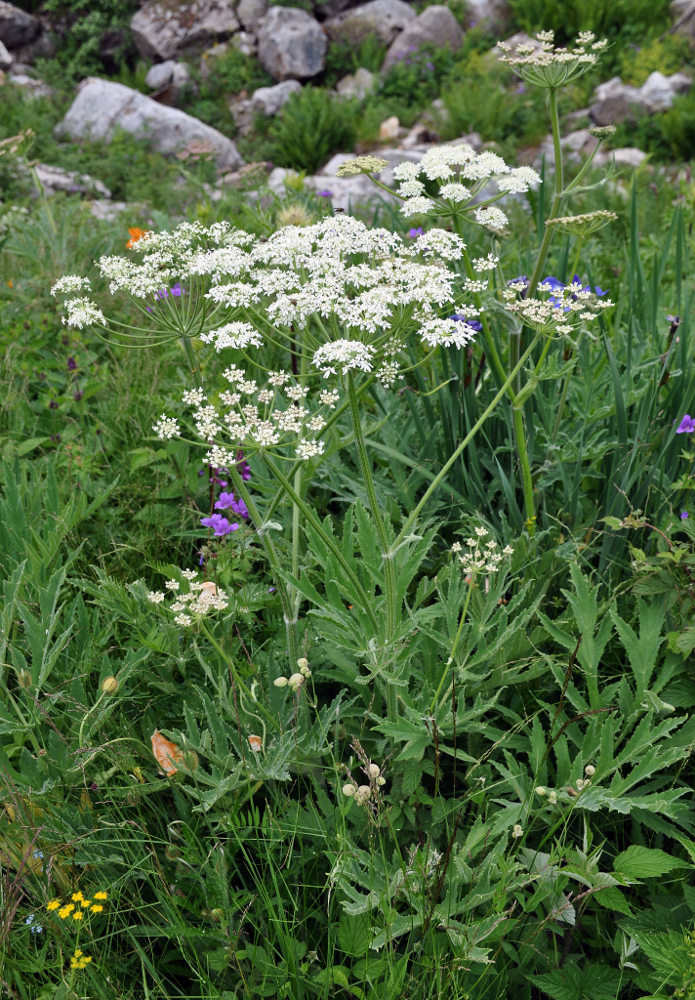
347, 590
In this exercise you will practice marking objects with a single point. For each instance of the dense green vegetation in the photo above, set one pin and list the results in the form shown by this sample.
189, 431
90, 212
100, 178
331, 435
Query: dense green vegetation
436, 738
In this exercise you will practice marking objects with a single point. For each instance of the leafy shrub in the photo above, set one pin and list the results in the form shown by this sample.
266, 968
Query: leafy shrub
344, 57
314, 124
626, 19
227, 75
83, 49
667, 55
416, 78
477, 100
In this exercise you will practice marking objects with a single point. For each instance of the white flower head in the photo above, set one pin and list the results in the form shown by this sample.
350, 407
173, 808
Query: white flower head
82, 313
348, 355
166, 428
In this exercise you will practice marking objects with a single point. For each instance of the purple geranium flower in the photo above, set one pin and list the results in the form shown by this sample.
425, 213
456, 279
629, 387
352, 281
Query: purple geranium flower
687, 425
684, 515
414, 233
220, 525
474, 324
226, 502
324, 194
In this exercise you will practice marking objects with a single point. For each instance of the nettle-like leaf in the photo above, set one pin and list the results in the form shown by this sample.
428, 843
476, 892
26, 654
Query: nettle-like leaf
580, 982
637, 863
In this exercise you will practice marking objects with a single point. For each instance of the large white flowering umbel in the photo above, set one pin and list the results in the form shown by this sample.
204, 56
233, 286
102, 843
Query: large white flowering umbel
340, 299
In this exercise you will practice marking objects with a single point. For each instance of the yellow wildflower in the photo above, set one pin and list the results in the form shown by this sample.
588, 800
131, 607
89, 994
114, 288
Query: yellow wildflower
85, 903
53, 905
65, 911
77, 915
96, 908
100, 895
79, 959
76, 897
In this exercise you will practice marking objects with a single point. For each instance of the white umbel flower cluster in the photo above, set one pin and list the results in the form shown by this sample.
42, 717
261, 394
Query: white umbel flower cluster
188, 607
462, 174
539, 63
480, 554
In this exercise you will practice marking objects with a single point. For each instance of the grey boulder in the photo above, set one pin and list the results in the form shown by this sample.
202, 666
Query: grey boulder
162, 28
383, 18
291, 44
268, 100
102, 107
17, 28
436, 26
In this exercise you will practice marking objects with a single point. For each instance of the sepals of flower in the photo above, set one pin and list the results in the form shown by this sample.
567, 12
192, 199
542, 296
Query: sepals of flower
297, 679
365, 792
540, 64
190, 605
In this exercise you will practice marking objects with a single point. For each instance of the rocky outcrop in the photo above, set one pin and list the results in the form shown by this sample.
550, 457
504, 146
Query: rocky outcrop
291, 44
163, 28
383, 18
17, 28
615, 101
5, 57
268, 100
101, 107
436, 26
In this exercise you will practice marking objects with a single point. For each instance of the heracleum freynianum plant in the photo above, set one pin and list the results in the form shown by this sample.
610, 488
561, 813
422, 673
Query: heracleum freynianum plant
338, 307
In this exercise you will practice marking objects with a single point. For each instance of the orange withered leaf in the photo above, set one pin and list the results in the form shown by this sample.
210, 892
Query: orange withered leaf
166, 753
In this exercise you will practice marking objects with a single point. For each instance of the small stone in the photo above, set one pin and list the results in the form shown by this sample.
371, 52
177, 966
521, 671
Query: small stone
389, 128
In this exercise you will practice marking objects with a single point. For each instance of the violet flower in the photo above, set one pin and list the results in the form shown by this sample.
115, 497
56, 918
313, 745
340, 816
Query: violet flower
687, 425
220, 525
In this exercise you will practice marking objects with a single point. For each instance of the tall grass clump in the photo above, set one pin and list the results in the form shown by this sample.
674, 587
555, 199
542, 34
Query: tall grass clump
355, 661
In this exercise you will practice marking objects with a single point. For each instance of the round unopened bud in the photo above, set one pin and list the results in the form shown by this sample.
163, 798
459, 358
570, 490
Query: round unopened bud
589, 770
362, 794
349, 790
540, 790
373, 770
109, 685
306, 672
552, 796
582, 783
381, 781
517, 830
280, 682
302, 663
296, 681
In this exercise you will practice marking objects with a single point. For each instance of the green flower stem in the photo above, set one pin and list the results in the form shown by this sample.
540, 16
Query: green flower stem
434, 485
386, 550
190, 354
558, 195
512, 390
274, 560
311, 518
271, 719
296, 528
459, 632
